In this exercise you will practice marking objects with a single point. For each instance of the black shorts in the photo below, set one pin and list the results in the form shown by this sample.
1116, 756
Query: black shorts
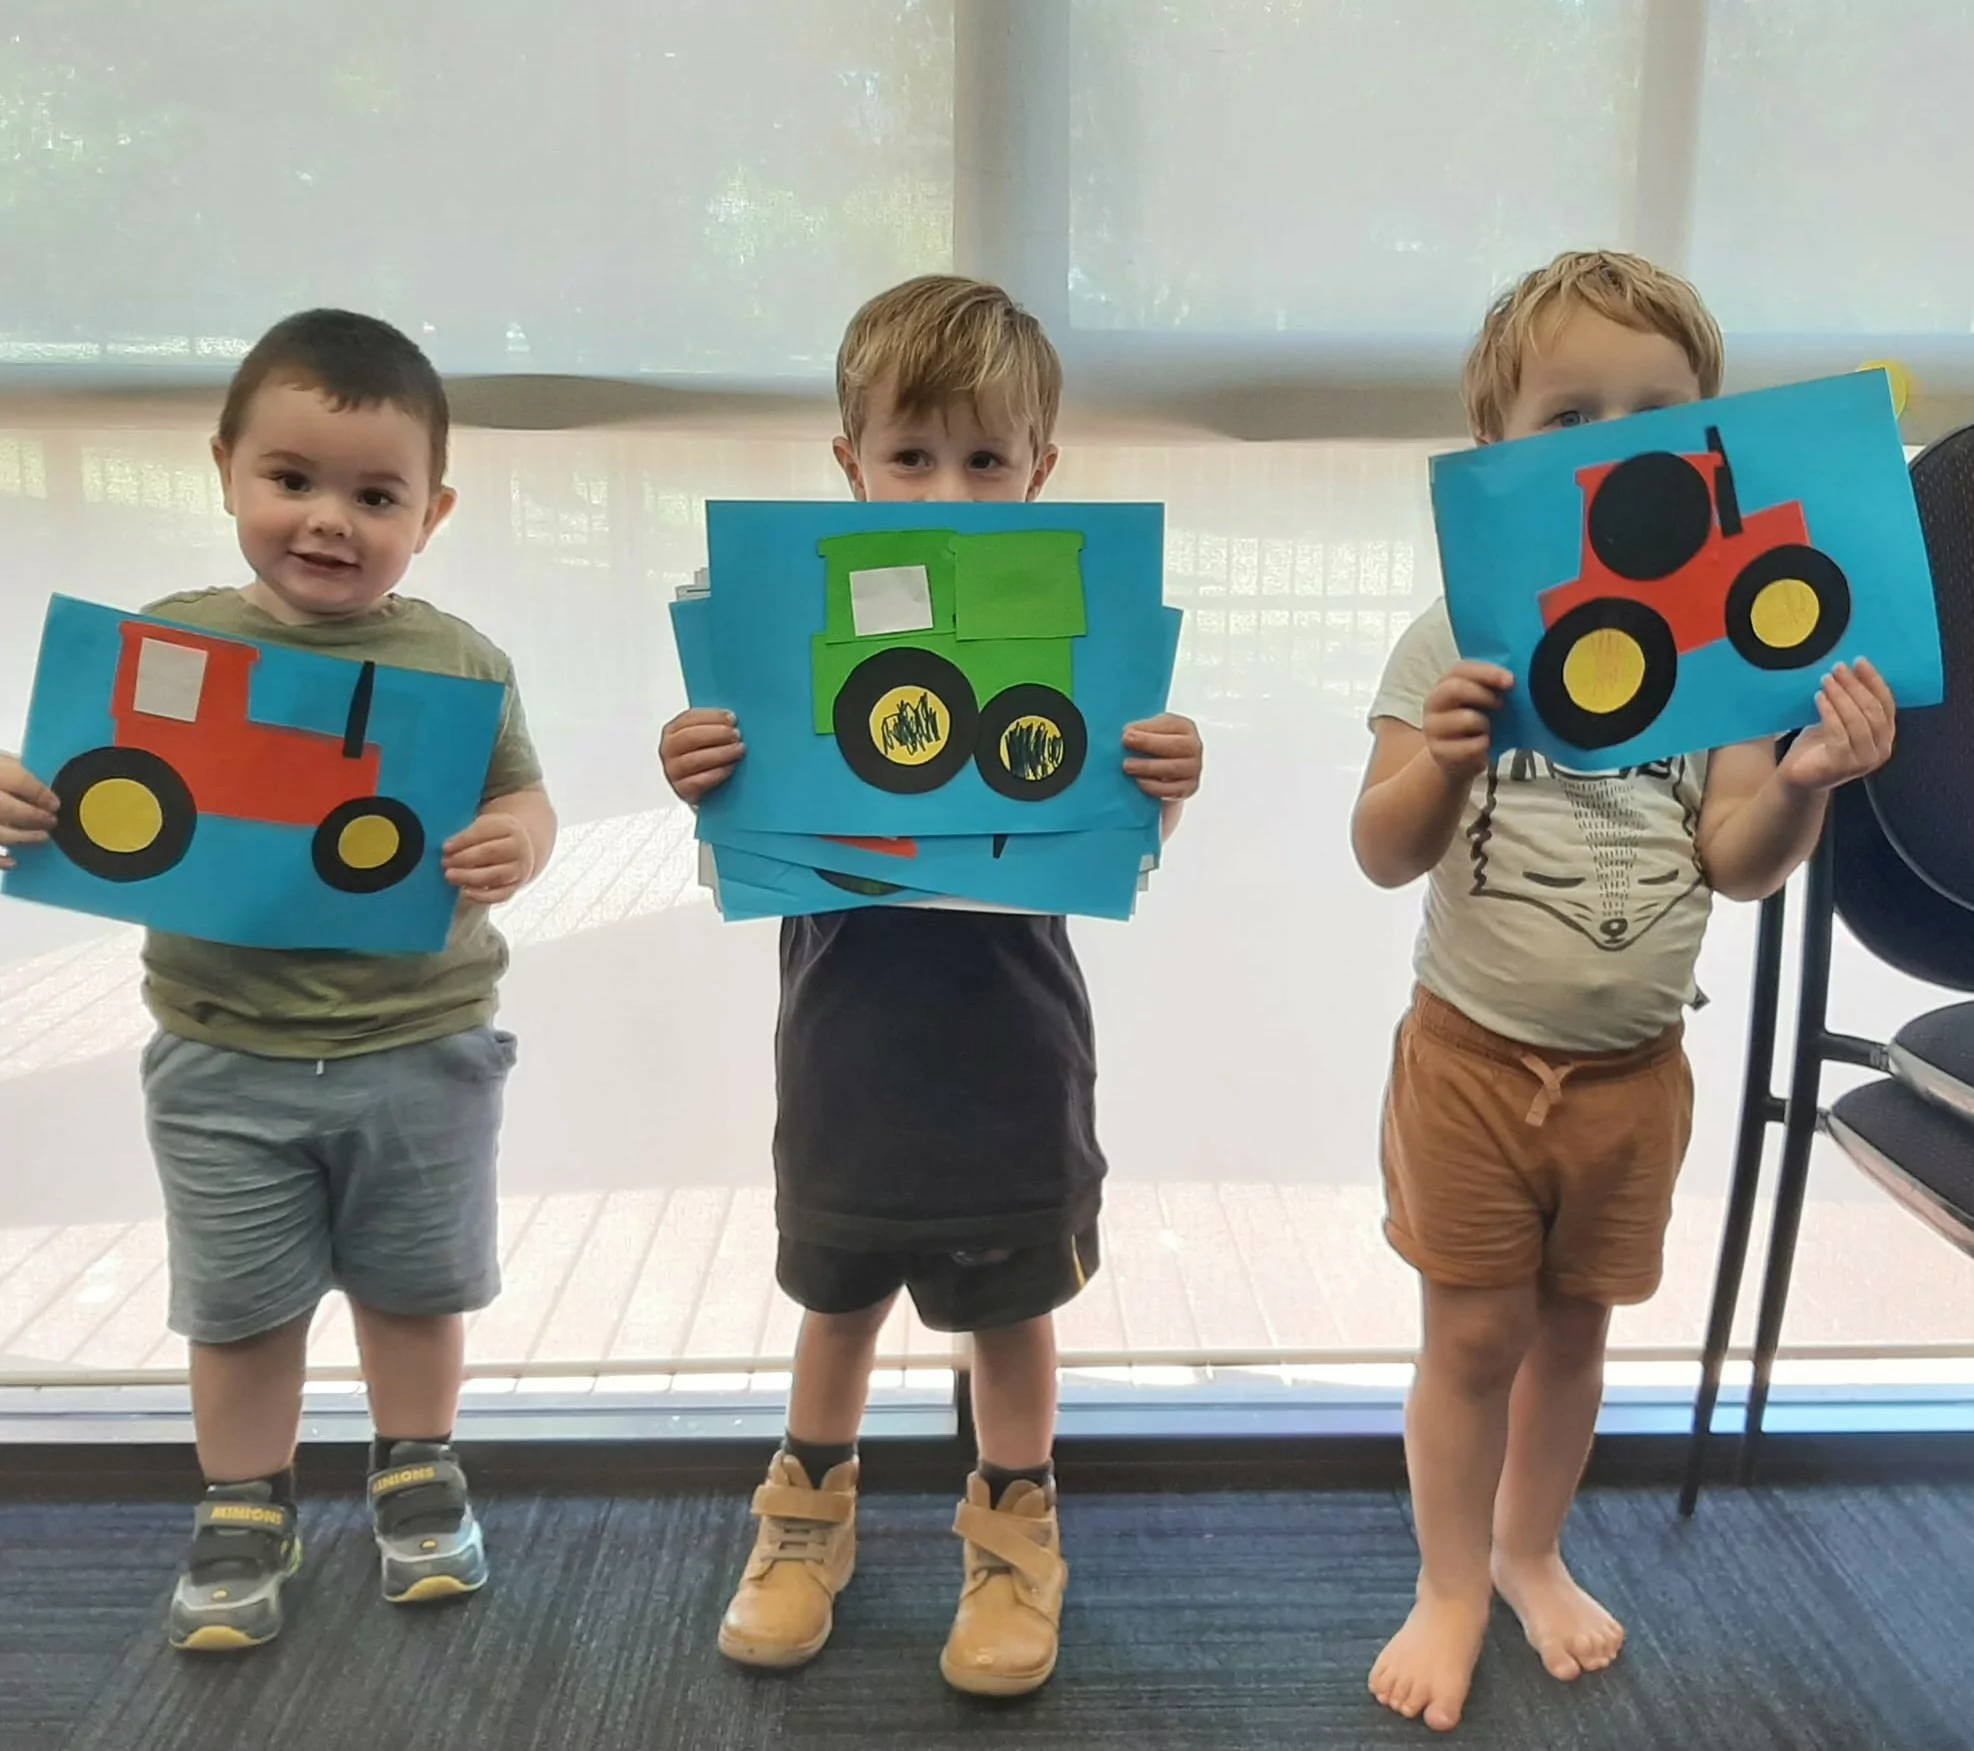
953, 1291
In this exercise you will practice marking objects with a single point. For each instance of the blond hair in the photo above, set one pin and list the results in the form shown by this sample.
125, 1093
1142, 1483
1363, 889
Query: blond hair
938, 338
1625, 289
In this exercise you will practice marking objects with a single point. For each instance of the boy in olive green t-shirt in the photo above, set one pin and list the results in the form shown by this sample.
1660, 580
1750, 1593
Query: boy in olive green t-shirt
325, 1120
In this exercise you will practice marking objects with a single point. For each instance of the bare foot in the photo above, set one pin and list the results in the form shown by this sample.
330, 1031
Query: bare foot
1427, 1667
1568, 1628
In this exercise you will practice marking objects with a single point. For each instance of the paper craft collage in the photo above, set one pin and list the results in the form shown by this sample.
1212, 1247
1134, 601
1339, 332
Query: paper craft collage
246, 793
1684, 578
933, 699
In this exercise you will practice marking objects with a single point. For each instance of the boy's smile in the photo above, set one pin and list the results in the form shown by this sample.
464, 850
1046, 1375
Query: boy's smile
331, 503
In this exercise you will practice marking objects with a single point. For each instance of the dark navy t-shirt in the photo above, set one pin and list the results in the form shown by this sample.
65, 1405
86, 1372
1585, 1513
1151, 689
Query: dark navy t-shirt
936, 1082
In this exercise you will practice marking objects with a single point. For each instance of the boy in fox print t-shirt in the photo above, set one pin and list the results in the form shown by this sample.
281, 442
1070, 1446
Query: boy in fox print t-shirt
1540, 1101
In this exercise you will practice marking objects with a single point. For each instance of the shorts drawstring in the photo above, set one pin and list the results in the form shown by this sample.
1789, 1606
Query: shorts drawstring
1550, 1095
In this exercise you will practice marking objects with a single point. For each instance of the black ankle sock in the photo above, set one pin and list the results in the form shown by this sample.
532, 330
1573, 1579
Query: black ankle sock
381, 1445
818, 1458
280, 1486
999, 1478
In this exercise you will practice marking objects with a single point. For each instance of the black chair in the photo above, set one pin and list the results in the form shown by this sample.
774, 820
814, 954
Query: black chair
1896, 863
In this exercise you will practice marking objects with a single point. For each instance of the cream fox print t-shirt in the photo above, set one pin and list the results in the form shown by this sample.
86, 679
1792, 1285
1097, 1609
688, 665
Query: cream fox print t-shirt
1569, 909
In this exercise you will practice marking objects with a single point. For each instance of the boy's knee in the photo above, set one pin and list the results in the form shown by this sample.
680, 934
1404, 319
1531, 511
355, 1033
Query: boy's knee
1484, 1363
1479, 1343
1573, 1329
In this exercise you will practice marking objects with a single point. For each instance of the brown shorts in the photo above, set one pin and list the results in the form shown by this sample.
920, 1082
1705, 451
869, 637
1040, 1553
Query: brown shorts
1507, 1164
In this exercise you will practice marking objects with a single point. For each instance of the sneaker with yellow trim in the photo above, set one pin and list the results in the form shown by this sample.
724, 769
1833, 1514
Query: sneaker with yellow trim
1006, 1631
804, 1555
245, 1546
430, 1543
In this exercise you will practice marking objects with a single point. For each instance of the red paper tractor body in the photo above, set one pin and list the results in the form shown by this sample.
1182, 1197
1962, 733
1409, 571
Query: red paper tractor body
1672, 564
185, 746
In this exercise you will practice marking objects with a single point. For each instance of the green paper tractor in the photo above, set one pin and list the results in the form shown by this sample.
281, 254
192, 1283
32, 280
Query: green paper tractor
941, 648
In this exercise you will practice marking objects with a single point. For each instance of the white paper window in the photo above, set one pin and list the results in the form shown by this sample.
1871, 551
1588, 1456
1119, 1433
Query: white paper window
170, 678
890, 598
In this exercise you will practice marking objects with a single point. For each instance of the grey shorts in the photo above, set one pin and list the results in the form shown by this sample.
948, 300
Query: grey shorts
284, 1178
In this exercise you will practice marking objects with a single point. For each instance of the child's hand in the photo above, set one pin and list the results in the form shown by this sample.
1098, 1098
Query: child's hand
700, 750
1164, 755
492, 861
1459, 730
27, 808
1853, 735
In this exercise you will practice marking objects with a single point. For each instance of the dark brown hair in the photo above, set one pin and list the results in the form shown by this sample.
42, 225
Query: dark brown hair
355, 361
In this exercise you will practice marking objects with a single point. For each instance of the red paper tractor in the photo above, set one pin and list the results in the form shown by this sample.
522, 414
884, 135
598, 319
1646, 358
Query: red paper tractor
1671, 564
186, 747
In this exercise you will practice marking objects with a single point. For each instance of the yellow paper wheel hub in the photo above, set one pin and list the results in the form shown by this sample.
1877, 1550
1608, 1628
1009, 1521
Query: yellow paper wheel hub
368, 842
1033, 747
121, 815
1785, 613
910, 725
1604, 670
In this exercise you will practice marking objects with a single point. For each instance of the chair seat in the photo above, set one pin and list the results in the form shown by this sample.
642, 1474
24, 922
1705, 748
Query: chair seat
1919, 1151
1934, 1056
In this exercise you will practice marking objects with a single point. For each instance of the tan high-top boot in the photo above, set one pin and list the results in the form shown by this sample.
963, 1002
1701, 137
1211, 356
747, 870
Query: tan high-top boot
1004, 1636
804, 1556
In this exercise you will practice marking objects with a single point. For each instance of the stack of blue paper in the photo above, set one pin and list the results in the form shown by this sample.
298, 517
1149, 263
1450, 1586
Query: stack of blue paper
933, 698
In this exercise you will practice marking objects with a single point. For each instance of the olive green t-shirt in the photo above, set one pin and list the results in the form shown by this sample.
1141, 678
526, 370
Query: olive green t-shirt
290, 1003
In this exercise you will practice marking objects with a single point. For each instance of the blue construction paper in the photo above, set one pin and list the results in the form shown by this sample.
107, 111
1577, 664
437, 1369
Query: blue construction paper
1511, 525
754, 886
253, 883
768, 601
1173, 623
1092, 875
741, 903
692, 629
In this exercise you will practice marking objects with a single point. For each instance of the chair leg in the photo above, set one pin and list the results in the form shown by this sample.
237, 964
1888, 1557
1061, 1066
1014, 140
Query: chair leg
1758, 1110
1798, 1134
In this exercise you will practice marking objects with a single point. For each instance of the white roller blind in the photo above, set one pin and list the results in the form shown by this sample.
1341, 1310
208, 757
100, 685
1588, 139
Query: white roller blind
1324, 167
1834, 195
1286, 217
604, 189
1247, 165
1264, 217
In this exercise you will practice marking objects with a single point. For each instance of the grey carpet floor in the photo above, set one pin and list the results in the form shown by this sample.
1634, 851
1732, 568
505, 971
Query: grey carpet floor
1788, 1620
